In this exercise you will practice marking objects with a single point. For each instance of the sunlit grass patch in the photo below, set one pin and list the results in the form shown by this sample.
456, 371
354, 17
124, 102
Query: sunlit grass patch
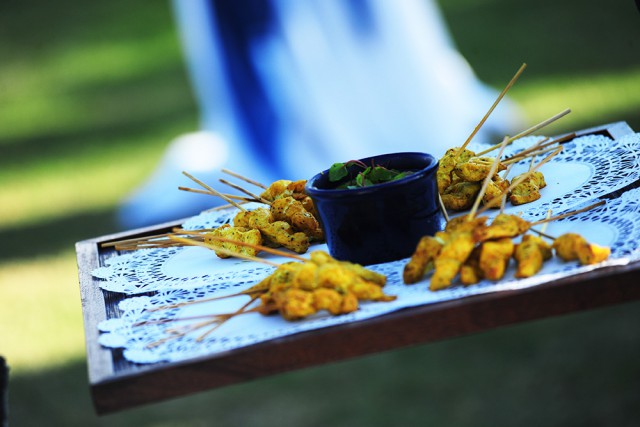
593, 98
41, 318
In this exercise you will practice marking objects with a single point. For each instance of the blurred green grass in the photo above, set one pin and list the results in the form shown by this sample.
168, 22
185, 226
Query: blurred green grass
90, 94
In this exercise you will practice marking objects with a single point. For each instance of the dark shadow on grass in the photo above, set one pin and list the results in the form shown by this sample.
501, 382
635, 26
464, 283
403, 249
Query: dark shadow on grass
568, 38
577, 370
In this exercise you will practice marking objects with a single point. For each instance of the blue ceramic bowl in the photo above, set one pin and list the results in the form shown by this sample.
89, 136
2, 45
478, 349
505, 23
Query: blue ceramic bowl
383, 222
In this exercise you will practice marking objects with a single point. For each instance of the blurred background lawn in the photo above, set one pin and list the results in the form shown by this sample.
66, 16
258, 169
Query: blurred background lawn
90, 94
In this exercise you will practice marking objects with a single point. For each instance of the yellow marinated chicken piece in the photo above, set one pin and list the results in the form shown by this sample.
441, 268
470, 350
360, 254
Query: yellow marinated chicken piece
321, 257
274, 233
453, 254
476, 169
240, 234
285, 188
470, 272
494, 257
572, 246
422, 259
335, 276
256, 218
503, 225
447, 164
292, 211
334, 302
293, 304
530, 255
528, 190
460, 196
280, 233
297, 290
495, 190
462, 223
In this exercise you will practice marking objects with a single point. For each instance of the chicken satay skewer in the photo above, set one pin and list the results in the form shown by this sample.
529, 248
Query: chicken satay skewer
528, 131
495, 104
254, 289
247, 192
487, 179
216, 192
224, 251
244, 178
524, 176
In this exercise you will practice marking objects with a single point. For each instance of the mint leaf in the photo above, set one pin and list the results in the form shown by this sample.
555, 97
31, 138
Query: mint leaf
337, 171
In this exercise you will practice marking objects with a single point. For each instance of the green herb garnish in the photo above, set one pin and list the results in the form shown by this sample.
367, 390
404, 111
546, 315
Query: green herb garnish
365, 176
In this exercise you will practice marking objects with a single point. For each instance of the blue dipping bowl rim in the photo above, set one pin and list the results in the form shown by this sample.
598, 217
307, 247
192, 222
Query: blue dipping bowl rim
311, 189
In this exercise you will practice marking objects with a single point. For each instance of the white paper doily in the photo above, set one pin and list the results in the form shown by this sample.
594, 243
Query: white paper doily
616, 224
588, 167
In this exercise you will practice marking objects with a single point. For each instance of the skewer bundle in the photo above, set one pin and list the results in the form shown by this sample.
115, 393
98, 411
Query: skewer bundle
294, 290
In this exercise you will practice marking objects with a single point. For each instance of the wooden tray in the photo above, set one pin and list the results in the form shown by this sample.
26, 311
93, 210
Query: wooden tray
117, 384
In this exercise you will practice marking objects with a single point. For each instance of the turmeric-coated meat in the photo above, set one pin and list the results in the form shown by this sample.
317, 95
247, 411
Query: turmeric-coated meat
572, 246
239, 234
495, 256
447, 164
477, 168
530, 255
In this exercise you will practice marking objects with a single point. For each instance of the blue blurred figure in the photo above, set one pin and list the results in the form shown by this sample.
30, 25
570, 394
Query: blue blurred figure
285, 88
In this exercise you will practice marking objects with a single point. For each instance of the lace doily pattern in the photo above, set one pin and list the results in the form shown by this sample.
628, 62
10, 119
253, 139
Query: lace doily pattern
160, 328
588, 167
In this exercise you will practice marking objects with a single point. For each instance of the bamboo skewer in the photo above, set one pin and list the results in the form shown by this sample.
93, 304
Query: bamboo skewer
542, 144
495, 104
533, 154
209, 193
247, 192
528, 131
224, 251
217, 193
443, 208
568, 214
485, 183
244, 178
260, 248
524, 176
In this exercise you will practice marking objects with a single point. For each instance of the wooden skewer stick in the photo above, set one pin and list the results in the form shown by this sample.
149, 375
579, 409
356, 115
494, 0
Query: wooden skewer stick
241, 310
248, 193
503, 200
568, 214
223, 251
252, 290
443, 208
487, 180
528, 131
132, 240
495, 104
517, 182
542, 144
260, 248
231, 196
532, 155
244, 178
543, 234
546, 224
217, 193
